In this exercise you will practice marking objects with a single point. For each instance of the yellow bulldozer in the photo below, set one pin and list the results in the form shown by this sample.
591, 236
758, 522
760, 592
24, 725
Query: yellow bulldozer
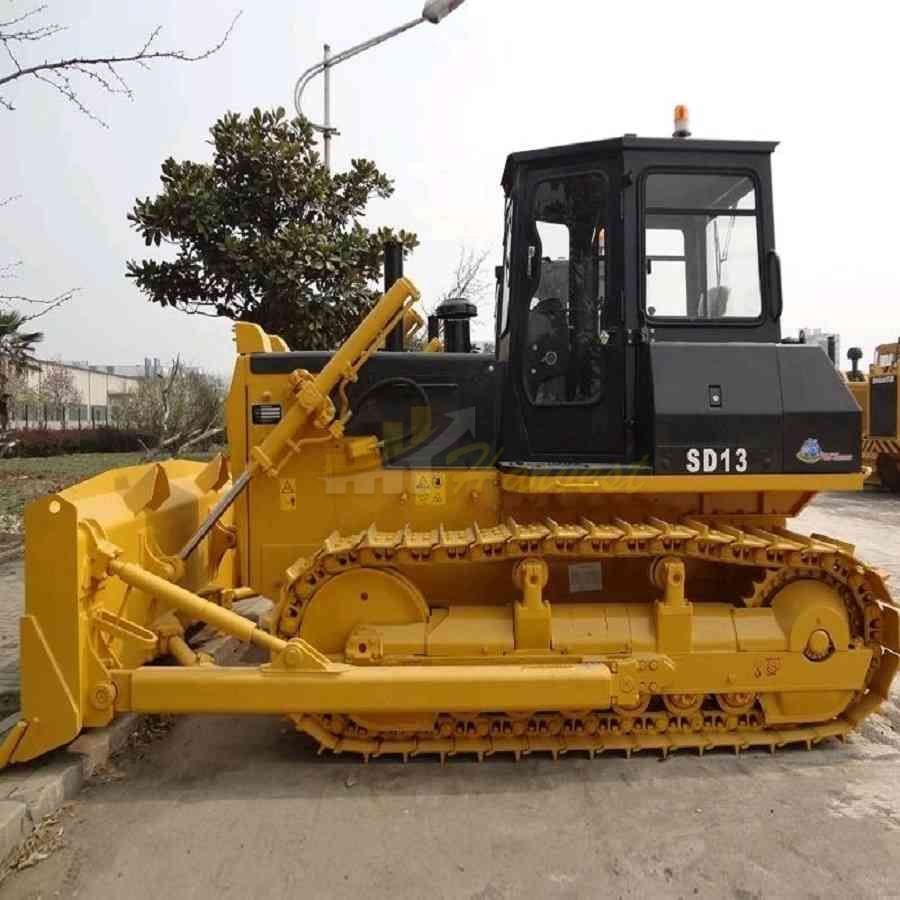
577, 542
876, 393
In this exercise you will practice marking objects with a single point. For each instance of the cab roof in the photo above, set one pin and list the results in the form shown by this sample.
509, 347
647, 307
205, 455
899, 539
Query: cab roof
629, 142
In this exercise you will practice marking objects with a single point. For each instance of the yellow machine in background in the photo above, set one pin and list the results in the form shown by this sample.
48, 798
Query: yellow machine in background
578, 543
878, 397
859, 387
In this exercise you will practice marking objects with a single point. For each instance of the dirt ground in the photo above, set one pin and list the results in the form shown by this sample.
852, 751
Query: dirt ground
242, 807
12, 604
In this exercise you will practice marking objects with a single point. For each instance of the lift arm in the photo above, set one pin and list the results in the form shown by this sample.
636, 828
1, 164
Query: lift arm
311, 404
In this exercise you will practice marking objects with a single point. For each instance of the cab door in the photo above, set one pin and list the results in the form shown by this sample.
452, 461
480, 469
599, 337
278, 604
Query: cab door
570, 342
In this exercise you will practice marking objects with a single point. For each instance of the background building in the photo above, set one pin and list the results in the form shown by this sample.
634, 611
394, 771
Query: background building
61, 394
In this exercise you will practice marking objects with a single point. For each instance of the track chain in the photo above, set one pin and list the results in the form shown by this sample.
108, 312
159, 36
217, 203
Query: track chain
660, 733
783, 555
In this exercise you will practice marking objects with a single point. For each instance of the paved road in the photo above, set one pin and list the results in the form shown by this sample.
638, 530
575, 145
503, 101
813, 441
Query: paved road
239, 807
871, 520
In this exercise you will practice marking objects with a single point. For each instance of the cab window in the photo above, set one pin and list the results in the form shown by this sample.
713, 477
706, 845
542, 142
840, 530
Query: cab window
701, 248
566, 264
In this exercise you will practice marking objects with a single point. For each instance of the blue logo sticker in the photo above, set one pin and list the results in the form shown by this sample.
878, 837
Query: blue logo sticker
811, 453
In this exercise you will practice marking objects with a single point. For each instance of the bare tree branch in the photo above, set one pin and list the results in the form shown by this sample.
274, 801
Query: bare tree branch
167, 394
205, 435
29, 33
101, 70
171, 405
468, 279
47, 305
9, 270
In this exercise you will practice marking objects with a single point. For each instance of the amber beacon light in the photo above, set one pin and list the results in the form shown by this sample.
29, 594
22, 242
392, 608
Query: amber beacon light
682, 122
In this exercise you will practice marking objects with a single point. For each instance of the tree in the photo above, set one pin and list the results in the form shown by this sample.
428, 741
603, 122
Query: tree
178, 410
16, 354
63, 74
19, 387
58, 389
264, 233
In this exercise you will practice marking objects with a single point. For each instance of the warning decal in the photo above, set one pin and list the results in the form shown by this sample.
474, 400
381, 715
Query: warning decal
288, 494
430, 489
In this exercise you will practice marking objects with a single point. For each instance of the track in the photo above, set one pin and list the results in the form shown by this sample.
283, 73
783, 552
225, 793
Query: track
659, 725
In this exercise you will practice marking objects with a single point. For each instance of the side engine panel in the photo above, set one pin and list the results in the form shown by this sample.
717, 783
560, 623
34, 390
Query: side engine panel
744, 409
456, 428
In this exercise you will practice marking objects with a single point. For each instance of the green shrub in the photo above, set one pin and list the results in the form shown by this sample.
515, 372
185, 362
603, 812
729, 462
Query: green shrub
44, 442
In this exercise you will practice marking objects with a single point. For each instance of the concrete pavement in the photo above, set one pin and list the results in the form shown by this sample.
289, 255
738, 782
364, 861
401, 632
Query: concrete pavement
237, 808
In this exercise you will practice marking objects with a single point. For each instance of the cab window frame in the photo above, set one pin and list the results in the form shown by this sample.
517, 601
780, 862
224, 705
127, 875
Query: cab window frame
504, 289
757, 213
531, 284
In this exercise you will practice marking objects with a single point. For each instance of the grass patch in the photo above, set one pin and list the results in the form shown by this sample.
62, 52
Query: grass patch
23, 480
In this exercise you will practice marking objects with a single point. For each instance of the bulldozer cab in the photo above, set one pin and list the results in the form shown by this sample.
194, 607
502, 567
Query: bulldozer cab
611, 247
887, 355
637, 332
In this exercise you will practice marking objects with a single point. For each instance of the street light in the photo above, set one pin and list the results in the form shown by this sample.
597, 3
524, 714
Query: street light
435, 12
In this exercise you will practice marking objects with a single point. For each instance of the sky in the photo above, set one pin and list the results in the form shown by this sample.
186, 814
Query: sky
438, 109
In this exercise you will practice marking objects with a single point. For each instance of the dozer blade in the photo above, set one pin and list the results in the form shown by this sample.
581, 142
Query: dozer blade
77, 624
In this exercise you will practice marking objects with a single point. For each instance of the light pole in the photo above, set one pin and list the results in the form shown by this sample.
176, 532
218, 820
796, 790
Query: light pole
435, 12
